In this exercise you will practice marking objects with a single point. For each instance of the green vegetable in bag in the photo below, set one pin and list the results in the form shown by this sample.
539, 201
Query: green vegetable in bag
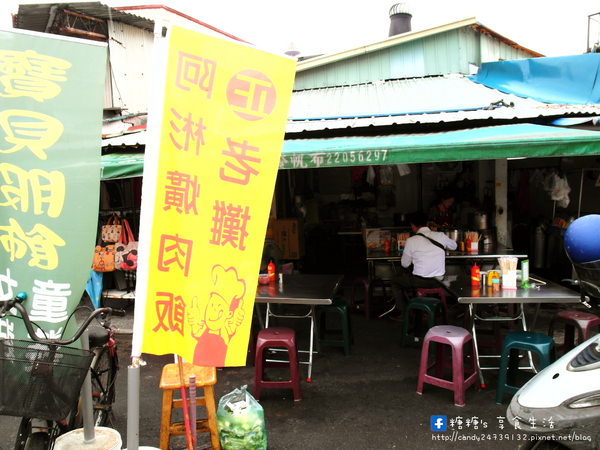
241, 422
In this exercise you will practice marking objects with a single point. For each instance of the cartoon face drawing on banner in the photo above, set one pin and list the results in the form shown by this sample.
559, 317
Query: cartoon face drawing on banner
215, 322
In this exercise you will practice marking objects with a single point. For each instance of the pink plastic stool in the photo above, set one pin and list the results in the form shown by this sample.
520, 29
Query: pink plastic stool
276, 338
456, 338
583, 321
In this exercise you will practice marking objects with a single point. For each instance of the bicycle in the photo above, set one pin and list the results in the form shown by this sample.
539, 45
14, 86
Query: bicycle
48, 375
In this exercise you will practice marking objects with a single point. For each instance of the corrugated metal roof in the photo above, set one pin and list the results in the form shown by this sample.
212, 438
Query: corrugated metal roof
35, 17
126, 140
448, 98
407, 37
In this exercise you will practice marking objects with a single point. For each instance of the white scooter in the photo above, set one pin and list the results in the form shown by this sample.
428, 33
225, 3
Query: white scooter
560, 406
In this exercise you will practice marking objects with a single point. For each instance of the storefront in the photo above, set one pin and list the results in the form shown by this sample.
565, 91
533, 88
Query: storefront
499, 172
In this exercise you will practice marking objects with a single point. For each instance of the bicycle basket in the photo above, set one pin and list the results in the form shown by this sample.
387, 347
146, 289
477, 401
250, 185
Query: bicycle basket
40, 380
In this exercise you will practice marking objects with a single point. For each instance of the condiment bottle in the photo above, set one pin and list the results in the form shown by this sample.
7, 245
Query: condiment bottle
496, 284
271, 271
475, 275
386, 246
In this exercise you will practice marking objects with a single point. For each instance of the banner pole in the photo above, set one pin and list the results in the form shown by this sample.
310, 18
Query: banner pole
156, 99
133, 405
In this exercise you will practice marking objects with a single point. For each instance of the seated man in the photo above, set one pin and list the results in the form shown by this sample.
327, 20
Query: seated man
426, 253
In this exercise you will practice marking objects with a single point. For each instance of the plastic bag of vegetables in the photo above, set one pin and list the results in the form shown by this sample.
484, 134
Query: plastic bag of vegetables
241, 422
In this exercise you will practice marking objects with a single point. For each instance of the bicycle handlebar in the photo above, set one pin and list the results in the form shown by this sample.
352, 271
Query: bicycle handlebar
22, 296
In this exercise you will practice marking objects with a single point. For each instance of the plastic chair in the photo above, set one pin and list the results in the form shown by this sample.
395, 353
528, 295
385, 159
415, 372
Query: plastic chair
369, 300
276, 337
440, 292
206, 377
340, 337
582, 321
456, 338
541, 344
431, 307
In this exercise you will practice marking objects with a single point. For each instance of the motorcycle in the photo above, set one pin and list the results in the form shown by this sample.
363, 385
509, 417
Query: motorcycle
559, 408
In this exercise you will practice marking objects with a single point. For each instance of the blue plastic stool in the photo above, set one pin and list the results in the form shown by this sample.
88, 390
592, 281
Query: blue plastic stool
541, 344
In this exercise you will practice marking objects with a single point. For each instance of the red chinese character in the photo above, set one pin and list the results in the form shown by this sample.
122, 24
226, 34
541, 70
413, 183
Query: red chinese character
238, 152
170, 313
251, 95
182, 192
229, 225
176, 251
193, 132
195, 71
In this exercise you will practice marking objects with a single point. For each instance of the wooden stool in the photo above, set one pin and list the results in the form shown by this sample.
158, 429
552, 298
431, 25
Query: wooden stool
206, 377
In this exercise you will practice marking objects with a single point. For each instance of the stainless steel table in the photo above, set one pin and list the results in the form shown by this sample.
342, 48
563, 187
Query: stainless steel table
489, 254
539, 291
300, 289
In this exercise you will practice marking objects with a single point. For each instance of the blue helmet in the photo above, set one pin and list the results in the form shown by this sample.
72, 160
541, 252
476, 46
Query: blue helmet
582, 239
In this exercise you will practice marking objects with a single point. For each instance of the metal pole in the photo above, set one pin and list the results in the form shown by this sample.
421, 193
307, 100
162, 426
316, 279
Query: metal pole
133, 405
580, 194
193, 411
89, 434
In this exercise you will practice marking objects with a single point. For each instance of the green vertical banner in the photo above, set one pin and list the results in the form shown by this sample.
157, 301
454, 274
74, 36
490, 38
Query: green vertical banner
51, 99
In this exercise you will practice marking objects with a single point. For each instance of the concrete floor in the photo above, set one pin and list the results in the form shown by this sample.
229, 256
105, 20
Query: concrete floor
367, 400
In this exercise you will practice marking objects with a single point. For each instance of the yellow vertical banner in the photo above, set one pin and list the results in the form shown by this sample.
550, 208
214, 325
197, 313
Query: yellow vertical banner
223, 120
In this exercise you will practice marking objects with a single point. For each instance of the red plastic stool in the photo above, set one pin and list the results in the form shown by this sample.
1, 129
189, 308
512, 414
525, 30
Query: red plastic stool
456, 338
368, 286
583, 321
276, 338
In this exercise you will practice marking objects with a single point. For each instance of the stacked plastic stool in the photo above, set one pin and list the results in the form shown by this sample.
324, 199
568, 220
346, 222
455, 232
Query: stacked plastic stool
280, 338
456, 338
440, 292
339, 337
584, 322
429, 306
529, 341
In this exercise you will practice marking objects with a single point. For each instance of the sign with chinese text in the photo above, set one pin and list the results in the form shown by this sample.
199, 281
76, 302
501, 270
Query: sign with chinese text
223, 120
51, 93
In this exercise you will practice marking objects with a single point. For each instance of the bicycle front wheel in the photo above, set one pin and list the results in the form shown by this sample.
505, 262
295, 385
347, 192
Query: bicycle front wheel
104, 377
39, 437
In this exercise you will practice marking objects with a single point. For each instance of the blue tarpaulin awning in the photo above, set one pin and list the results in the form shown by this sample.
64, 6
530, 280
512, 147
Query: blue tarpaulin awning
572, 80
497, 142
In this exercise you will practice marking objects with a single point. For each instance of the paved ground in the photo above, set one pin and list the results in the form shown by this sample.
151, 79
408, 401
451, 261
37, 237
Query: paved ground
367, 400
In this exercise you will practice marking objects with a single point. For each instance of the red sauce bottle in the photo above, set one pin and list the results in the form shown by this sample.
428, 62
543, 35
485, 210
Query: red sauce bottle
475, 275
386, 246
271, 271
